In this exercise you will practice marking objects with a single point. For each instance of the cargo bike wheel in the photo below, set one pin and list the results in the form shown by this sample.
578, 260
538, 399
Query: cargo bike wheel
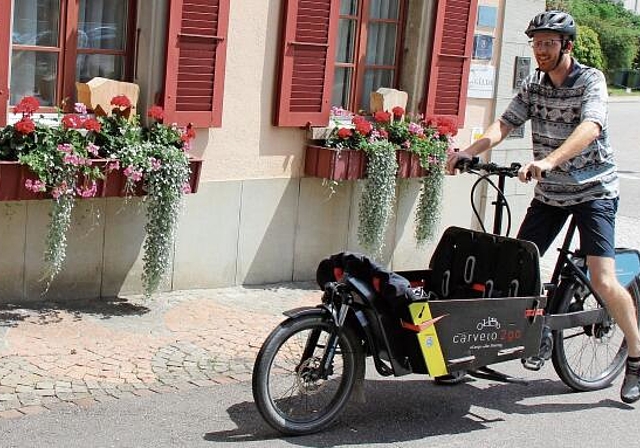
291, 389
591, 357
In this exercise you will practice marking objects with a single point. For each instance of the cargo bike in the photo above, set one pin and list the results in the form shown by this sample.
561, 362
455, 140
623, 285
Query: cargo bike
480, 303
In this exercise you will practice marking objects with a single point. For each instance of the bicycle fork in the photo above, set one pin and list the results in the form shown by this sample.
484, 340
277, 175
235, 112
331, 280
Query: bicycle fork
325, 367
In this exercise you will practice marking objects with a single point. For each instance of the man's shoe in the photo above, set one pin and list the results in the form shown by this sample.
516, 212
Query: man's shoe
630, 392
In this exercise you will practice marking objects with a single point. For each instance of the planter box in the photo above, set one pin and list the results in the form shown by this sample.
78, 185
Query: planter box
409, 164
333, 164
13, 176
348, 164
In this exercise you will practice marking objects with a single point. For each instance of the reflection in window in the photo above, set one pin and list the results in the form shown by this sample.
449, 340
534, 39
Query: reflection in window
102, 25
39, 47
34, 73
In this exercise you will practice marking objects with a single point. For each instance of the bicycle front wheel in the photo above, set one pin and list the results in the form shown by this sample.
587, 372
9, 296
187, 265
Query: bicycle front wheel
586, 358
291, 390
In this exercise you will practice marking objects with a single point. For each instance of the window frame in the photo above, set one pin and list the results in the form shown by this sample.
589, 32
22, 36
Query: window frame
359, 65
68, 51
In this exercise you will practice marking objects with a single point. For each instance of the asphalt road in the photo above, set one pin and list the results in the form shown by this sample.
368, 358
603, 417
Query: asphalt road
407, 412
625, 138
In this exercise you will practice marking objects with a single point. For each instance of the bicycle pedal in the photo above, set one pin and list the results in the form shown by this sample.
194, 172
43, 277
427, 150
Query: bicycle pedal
534, 363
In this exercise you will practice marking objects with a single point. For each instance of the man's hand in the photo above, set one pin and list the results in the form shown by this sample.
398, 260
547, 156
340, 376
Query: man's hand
454, 158
534, 170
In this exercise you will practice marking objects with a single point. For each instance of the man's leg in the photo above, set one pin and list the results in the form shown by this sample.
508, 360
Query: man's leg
621, 307
541, 224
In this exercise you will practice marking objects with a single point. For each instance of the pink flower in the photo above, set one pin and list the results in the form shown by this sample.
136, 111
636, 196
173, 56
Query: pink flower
132, 173
186, 188
155, 163
80, 108
34, 186
88, 192
65, 147
73, 159
415, 129
93, 149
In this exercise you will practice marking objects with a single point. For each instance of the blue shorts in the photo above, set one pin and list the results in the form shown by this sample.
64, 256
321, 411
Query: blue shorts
596, 222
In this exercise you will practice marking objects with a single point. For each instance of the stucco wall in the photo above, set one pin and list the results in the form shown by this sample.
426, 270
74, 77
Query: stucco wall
255, 219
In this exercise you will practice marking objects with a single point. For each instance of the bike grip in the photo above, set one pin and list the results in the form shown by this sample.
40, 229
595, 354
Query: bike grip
544, 174
467, 164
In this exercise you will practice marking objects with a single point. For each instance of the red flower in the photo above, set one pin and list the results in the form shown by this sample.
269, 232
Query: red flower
72, 121
382, 117
28, 105
121, 101
363, 127
345, 133
188, 134
398, 112
91, 124
445, 125
156, 113
25, 126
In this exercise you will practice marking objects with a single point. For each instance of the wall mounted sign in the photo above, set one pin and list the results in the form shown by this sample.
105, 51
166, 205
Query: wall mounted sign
482, 47
487, 16
522, 68
481, 81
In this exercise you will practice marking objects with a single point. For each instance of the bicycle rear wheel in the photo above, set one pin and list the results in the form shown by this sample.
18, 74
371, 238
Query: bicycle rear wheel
586, 358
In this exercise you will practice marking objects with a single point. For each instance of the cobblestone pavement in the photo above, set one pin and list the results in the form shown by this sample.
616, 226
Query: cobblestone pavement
82, 353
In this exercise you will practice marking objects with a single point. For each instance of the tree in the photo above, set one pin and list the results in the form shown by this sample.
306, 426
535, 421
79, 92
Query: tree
587, 49
618, 29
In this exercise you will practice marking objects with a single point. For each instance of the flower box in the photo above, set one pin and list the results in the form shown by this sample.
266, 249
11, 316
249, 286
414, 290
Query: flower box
409, 164
13, 176
349, 164
334, 164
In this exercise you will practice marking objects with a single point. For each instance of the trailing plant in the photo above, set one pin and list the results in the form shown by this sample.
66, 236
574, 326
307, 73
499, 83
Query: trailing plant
432, 151
378, 196
62, 157
380, 136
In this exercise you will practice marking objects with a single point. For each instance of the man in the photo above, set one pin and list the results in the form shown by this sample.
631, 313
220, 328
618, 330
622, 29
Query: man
567, 105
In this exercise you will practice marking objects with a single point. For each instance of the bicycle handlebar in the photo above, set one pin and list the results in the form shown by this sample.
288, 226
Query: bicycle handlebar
474, 164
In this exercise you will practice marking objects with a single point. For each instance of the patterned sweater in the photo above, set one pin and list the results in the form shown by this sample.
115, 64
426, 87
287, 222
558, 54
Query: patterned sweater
554, 113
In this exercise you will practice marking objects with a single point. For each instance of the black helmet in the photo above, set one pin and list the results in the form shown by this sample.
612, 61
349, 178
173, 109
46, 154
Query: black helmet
554, 21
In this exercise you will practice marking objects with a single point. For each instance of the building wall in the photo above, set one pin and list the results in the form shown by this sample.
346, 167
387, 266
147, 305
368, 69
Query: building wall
255, 218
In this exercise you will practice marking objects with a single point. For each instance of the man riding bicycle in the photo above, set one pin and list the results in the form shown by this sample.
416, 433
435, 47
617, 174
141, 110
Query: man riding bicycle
567, 105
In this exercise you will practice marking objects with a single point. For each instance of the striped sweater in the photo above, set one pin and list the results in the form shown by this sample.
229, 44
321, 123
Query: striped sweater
554, 113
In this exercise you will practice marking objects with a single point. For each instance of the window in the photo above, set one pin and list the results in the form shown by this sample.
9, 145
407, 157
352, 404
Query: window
337, 52
58, 42
367, 50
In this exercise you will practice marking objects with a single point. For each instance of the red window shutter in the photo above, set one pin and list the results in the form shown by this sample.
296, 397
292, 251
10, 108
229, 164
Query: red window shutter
307, 62
5, 51
196, 53
451, 59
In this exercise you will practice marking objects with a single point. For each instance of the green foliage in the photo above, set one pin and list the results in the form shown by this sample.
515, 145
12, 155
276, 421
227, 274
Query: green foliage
165, 187
619, 45
428, 211
378, 197
432, 153
587, 49
618, 29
